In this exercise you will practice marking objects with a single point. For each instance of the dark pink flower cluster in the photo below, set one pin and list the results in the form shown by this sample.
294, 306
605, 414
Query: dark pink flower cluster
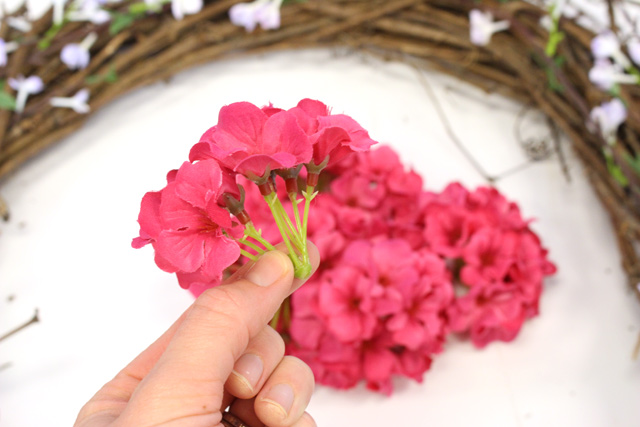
401, 268
379, 311
498, 261
190, 222
192, 234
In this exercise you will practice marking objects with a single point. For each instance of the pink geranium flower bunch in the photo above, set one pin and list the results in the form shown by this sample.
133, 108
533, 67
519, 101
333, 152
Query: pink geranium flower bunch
378, 312
198, 224
402, 267
497, 259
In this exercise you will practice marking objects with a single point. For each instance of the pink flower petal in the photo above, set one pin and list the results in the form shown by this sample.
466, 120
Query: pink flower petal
184, 250
198, 183
220, 252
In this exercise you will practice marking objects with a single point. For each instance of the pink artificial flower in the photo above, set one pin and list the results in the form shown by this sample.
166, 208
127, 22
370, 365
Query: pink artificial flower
420, 321
530, 265
413, 363
358, 223
494, 312
358, 191
499, 320
453, 194
379, 163
345, 302
322, 229
447, 229
189, 231
492, 208
404, 183
390, 265
379, 363
333, 362
251, 142
488, 256
333, 136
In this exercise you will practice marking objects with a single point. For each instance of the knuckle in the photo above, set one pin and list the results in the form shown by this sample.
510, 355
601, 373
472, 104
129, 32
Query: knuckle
274, 340
300, 367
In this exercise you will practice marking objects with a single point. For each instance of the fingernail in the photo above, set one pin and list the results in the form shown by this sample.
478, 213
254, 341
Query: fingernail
268, 269
280, 396
249, 370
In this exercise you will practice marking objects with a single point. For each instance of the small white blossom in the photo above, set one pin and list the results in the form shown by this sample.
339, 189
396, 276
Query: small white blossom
76, 55
606, 74
37, 8
6, 48
482, 27
11, 6
77, 102
546, 22
154, 5
25, 87
180, 8
265, 13
633, 46
608, 117
90, 10
20, 23
606, 45
557, 8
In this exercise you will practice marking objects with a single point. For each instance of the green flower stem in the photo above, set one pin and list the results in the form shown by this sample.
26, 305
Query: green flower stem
294, 233
309, 195
272, 200
286, 312
252, 245
250, 230
248, 255
276, 319
302, 230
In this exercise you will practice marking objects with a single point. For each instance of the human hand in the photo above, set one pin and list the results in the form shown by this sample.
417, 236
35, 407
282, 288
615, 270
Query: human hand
218, 353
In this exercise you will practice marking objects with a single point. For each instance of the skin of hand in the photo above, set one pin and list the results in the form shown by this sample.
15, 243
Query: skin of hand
220, 352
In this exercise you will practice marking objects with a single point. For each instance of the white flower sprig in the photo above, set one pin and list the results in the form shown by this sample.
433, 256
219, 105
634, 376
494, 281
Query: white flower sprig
482, 27
19, 23
611, 65
606, 45
608, 117
91, 11
77, 102
265, 13
606, 75
179, 8
5, 49
25, 87
76, 55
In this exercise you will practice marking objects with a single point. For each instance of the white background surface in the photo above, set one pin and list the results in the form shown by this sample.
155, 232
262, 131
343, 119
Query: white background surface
67, 252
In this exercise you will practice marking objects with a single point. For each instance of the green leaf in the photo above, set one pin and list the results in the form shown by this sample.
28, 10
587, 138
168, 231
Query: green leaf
138, 8
552, 45
120, 21
554, 83
49, 35
7, 101
615, 171
634, 162
110, 76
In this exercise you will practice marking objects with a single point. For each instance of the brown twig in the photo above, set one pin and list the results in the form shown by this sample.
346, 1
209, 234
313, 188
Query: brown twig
28, 323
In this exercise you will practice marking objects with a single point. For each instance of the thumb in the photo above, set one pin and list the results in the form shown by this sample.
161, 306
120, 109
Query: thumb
188, 379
